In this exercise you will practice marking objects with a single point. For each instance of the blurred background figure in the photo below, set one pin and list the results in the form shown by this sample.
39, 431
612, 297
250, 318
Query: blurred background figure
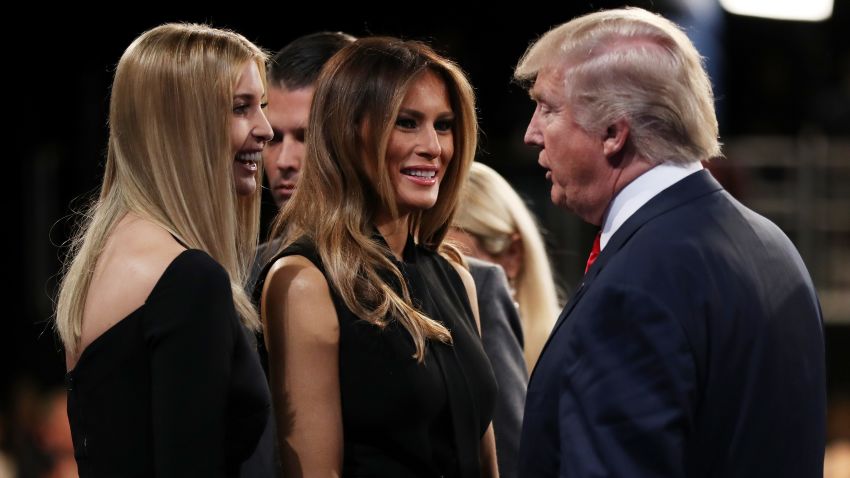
837, 457
53, 436
36, 441
837, 460
494, 224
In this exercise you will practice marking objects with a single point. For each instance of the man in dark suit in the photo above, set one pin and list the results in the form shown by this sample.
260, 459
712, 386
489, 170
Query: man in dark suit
694, 345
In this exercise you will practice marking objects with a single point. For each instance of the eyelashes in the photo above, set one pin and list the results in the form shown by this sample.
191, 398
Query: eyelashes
411, 124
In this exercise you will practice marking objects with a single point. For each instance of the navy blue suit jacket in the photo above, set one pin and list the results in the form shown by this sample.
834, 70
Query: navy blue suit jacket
692, 348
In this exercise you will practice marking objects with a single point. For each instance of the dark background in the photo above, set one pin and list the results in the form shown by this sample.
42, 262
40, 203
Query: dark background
777, 83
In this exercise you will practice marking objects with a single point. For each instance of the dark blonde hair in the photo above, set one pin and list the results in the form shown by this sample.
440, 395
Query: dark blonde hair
169, 159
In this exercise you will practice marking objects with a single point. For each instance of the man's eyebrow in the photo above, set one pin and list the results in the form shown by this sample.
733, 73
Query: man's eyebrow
538, 96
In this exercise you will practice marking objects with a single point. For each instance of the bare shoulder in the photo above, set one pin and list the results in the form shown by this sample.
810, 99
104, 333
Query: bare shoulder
294, 274
139, 251
135, 256
296, 293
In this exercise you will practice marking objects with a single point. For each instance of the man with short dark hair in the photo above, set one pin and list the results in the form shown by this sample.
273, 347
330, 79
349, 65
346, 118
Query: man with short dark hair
291, 77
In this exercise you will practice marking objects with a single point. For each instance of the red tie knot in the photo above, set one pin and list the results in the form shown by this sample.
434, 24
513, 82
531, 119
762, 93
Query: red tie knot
594, 253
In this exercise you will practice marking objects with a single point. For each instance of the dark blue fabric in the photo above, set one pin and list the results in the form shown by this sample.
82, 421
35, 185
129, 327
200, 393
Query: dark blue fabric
692, 348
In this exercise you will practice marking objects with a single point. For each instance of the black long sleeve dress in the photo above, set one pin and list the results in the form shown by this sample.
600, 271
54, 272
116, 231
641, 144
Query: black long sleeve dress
174, 388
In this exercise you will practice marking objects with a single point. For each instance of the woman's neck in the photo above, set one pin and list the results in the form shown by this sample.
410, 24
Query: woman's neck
394, 231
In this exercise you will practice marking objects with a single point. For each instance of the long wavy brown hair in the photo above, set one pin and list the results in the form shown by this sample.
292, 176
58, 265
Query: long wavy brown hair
357, 99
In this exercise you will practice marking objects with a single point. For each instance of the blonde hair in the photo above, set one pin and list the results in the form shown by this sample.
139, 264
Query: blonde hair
493, 212
169, 160
633, 64
357, 99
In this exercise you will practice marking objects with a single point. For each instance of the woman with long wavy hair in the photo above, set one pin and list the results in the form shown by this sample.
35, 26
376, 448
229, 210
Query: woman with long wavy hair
376, 366
163, 380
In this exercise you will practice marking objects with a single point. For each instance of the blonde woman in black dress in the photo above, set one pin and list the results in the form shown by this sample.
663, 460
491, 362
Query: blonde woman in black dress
162, 378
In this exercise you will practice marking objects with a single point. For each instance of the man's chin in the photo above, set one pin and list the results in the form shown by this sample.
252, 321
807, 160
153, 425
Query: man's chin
283, 195
559, 198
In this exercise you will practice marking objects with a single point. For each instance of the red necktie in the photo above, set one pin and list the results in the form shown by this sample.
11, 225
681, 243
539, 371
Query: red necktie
594, 253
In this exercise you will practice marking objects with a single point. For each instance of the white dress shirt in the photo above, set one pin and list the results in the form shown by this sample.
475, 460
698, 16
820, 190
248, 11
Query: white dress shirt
639, 192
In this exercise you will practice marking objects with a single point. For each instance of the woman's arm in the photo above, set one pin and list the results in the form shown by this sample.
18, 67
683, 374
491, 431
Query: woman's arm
487, 454
302, 337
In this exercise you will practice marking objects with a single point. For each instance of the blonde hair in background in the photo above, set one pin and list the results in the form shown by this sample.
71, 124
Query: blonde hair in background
357, 99
630, 63
493, 212
169, 160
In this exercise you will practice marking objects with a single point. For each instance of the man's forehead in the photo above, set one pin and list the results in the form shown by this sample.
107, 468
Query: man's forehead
549, 81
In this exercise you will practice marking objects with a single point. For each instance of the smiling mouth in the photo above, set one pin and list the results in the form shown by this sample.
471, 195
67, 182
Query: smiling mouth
420, 173
249, 158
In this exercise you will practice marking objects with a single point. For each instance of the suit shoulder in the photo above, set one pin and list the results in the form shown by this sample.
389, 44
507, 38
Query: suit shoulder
483, 271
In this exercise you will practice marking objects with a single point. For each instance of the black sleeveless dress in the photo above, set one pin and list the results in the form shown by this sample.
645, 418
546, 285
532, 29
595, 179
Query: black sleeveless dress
402, 418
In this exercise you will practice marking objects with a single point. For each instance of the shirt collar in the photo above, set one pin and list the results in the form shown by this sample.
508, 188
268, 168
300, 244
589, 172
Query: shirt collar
640, 191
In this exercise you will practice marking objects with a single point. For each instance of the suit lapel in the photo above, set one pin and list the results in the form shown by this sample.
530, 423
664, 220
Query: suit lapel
692, 187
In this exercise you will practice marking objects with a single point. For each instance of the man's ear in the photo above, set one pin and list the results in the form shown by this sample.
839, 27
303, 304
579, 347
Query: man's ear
615, 137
